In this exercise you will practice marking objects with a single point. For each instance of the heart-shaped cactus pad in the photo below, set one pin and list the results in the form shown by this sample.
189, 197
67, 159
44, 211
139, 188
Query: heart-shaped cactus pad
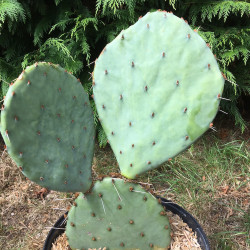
48, 127
157, 87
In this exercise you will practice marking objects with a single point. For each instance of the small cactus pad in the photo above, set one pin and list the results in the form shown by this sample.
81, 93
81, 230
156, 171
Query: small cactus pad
157, 88
47, 125
117, 215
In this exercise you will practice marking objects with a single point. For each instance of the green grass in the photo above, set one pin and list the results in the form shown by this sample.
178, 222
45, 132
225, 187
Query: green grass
209, 180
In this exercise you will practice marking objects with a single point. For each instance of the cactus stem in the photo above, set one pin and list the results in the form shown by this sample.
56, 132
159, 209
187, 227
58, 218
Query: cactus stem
117, 191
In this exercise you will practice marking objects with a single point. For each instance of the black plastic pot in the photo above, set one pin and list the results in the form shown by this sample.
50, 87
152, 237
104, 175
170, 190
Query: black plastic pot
60, 225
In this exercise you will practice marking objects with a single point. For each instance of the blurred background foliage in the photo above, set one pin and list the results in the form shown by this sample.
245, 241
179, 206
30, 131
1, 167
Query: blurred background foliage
73, 33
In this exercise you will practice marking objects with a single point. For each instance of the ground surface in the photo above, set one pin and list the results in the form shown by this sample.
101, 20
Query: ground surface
210, 180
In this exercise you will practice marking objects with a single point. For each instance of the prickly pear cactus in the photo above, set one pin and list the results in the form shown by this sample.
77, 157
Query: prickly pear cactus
47, 125
117, 215
157, 88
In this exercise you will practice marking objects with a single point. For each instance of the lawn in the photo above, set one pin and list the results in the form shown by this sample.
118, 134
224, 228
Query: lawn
210, 180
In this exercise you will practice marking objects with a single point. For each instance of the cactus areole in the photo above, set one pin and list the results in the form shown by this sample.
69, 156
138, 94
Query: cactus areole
47, 125
159, 83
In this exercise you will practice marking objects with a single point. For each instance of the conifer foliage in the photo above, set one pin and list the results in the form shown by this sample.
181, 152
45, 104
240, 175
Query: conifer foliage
73, 33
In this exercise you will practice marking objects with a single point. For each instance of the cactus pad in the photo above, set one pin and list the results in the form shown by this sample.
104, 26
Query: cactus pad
47, 125
157, 88
117, 215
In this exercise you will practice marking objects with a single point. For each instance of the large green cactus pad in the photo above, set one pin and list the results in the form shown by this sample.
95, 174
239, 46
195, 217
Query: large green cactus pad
117, 215
47, 125
157, 89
